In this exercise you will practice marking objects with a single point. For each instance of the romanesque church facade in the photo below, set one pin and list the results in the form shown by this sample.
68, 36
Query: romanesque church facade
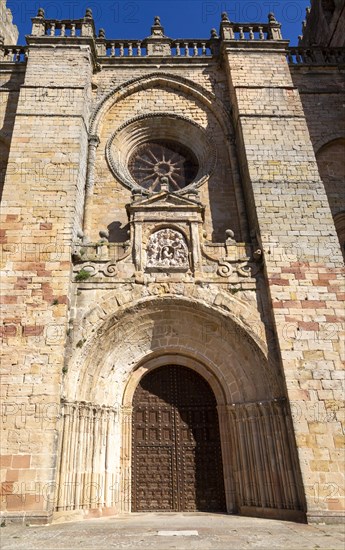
172, 236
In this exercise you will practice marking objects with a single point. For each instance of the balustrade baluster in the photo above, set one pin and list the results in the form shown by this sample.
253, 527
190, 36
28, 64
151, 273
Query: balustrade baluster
251, 33
203, 45
52, 29
139, 49
178, 49
186, 49
130, 49
73, 29
240, 29
122, 50
195, 49
261, 34
112, 52
63, 29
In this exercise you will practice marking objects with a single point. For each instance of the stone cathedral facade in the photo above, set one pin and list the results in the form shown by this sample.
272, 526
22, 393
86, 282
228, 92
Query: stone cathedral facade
172, 238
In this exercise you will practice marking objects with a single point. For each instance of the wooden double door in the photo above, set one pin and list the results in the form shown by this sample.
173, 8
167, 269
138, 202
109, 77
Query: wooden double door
176, 460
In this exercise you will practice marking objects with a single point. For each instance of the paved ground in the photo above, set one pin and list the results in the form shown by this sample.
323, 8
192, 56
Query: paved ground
177, 531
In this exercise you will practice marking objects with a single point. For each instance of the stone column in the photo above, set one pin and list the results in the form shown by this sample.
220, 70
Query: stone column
262, 463
86, 480
196, 252
227, 443
125, 496
138, 246
93, 142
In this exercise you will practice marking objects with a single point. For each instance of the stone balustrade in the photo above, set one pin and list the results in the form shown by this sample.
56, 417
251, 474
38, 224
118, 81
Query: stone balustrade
121, 48
181, 48
315, 56
250, 31
136, 48
13, 54
69, 28
191, 48
103, 251
63, 28
159, 44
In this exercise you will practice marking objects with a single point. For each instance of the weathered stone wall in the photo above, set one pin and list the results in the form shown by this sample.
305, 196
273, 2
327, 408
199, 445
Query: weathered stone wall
302, 261
321, 91
42, 210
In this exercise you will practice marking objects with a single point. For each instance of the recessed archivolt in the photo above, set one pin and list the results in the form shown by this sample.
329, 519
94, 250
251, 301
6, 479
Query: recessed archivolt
204, 98
155, 361
163, 80
155, 327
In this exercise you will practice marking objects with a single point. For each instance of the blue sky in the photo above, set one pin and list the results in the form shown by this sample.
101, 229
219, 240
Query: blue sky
180, 18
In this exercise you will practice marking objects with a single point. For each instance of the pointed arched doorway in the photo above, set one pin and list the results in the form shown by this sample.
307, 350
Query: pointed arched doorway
176, 454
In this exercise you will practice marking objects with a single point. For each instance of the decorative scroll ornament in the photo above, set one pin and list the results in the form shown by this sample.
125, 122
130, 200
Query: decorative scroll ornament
167, 250
108, 269
225, 269
244, 268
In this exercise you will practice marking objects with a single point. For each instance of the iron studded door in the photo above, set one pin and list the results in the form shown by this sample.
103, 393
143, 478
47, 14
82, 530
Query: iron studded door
176, 463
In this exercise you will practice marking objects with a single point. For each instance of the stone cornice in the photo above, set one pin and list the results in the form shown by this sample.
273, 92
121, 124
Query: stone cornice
79, 42
256, 45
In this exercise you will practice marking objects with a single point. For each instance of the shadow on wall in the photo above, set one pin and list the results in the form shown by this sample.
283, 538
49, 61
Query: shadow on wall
6, 132
331, 163
118, 233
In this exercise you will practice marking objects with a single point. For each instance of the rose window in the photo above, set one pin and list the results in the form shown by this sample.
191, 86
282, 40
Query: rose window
154, 160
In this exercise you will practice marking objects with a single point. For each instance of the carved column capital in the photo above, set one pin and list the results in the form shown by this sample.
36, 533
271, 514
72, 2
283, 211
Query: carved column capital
93, 141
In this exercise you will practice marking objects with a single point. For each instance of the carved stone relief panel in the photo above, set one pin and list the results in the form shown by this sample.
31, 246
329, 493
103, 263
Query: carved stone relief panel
167, 250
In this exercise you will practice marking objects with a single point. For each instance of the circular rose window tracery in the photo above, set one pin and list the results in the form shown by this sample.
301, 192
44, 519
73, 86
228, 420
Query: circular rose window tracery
160, 158
189, 155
